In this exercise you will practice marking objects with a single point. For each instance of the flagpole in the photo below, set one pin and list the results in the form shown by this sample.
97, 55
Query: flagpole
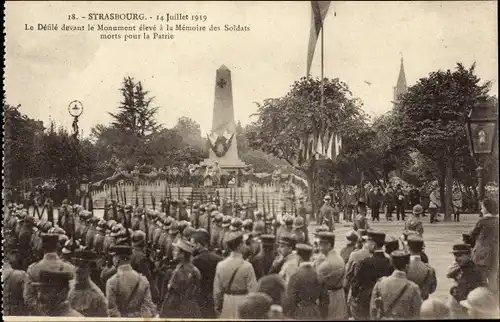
322, 64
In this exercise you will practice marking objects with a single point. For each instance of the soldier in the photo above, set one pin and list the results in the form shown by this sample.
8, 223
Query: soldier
234, 277
236, 225
141, 264
184, 285
331, 273
298, 229
255, 306
418, 272
85, 296
317, 257
13, 282
99, 242
53, 294
273, 286
369, 271
247, 226
206, 262
203, 218
394, 296
413, 223
287, 228
360, 221
467, 277
183, 213
25, 246
352, 239
354, 259
128, 292
263, 260
306, 297
91, 233
391, 244
226, 222
303, 213
50, 261
326, 213
288, 261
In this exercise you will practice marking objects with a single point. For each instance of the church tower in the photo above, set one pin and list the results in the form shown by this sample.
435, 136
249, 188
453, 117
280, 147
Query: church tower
400, 88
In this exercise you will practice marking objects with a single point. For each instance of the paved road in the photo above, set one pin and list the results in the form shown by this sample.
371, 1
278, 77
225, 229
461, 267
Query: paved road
439, 239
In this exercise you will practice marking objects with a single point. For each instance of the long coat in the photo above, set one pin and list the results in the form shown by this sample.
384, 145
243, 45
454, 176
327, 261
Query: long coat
485, 235
370, 270
13, 285
306, 296
332, 273
423, 275
206, 262
181, 300
88, 299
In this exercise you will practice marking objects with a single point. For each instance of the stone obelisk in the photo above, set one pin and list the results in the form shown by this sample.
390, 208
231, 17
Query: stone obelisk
223, 123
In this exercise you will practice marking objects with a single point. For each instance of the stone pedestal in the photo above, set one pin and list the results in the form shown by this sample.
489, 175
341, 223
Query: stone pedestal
223, 125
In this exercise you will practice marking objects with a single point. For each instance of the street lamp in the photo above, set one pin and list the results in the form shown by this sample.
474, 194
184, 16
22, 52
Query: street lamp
84, 185
482, 127
75, 109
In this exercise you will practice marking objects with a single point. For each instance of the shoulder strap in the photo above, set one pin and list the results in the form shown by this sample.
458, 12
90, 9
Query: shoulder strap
131, 296
396, 299
232, 279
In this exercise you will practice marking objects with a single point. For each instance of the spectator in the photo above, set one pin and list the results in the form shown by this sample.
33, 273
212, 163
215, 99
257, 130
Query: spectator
481, 304
433, 309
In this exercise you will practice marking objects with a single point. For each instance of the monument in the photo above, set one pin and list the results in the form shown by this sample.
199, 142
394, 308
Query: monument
222, 139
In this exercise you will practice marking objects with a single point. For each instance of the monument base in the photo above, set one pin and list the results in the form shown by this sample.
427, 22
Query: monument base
226, 166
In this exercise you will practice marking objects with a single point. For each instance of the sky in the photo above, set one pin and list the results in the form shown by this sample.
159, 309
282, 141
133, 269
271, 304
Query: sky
363, 42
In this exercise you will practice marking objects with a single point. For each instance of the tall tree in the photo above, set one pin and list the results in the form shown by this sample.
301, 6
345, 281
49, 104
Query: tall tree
282, 122
136, 114
431, 118
190, 131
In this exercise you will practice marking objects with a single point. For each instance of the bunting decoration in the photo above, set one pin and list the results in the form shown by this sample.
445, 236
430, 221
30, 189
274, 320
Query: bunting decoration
319, 10
325, 145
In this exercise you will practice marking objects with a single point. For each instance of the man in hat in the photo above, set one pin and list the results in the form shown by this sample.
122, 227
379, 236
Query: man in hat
306, 297
326, 213
414, 223
419, 272
481, 303
85, 296
303, 213
128, 292
287, 259
286, 228
234, 278
375, 201
352, 239
181, 300
50, 262
141, 263
317, 256
206, 262
391, 244
13, 282
263, 261
467, 276
331, 273
223, 235
53, 294
361, 222
369, 271
400, 203
394, 296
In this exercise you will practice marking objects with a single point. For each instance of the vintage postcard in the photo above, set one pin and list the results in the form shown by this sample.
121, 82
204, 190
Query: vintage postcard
327, 160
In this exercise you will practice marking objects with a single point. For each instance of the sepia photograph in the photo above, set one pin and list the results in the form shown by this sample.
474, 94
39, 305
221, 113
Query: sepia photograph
243, 160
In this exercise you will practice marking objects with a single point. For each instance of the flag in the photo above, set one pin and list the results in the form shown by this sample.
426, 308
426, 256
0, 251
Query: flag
319, 9
338, 145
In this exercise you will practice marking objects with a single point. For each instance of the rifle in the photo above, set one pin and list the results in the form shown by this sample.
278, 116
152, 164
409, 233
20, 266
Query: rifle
275, 223
117, 194
153, 201
143, 201
91, 204
105, 216
191, 204
136, 198
115, 212
124, 196
241, 195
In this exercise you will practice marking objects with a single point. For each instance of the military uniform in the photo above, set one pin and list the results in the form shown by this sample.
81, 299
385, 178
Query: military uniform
128, 292
331, 272
181, 300
345, 252
206, 262
13, 285
234, 278
369, 271
141, 264
326, 214
399, 298
414, 224
57, 281
419, 272
360, 222
306, 297
263, 261
84, 296
50, 262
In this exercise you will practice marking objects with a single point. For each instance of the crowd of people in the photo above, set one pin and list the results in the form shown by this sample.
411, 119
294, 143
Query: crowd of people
228, 260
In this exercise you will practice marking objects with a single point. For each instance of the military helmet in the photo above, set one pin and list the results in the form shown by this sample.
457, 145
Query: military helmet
138, 236
226, 221
218, 217
259, 213
248, 224
70, 246
288, 220
298, 222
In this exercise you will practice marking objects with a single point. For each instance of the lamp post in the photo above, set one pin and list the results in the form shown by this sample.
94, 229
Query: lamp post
75, 109
482, 129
